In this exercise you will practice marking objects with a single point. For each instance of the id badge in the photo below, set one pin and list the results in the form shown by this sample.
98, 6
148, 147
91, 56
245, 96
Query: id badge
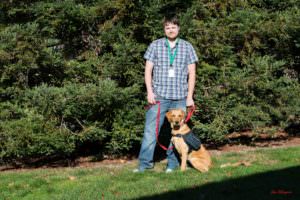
171, 73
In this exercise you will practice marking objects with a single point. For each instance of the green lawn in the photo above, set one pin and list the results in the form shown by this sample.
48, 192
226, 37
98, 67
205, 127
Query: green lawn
273, 174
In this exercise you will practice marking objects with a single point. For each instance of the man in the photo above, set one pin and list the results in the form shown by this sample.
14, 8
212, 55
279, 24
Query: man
170, 74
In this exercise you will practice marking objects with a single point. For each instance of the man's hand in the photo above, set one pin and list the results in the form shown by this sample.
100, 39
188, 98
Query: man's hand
189, 102
151, 98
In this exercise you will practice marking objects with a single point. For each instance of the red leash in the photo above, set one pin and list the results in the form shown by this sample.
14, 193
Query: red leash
190, 113
157, 128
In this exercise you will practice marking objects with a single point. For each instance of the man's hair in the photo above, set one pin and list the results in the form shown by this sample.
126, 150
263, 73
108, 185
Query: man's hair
170, 20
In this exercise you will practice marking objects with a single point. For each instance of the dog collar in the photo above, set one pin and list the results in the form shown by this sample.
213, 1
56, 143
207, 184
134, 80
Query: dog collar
178, 135
181, 135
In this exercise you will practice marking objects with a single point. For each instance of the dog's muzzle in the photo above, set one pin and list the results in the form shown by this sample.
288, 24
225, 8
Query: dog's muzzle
176, 125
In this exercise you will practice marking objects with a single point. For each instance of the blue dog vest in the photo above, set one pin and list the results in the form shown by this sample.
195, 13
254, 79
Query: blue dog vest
193, 142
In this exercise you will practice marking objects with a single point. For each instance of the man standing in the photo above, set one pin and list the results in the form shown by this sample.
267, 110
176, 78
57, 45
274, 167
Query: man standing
170, 74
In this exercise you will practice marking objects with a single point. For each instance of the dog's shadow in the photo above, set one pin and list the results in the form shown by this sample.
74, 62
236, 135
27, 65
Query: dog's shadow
164, 139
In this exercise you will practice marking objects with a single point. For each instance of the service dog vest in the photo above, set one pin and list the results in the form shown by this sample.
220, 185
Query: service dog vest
193, 142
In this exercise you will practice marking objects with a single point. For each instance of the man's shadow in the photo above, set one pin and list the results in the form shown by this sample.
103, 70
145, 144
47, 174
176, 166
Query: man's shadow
275, 184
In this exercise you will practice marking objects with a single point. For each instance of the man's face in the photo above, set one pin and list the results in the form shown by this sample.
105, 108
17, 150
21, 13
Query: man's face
171, 30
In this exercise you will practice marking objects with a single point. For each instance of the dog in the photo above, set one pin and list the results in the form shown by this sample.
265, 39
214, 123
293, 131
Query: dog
200, 159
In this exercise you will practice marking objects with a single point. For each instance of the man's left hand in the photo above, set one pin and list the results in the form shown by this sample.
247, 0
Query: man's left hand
189, 102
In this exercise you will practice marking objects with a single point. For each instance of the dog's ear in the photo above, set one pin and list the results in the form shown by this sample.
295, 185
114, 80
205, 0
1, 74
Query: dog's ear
168, 115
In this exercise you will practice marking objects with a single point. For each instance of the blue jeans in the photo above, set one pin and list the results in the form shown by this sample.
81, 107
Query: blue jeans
149, 138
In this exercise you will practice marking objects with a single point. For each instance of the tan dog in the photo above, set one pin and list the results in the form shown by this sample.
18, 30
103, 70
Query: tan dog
199, 159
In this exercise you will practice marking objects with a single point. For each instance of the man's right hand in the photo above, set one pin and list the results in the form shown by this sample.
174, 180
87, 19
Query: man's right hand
151, 98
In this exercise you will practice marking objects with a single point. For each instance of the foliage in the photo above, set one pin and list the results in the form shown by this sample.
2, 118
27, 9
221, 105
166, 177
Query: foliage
74, 70
32, 137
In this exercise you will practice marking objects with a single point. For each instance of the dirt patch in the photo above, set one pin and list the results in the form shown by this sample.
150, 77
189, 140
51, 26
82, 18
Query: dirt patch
90, 162
277, 143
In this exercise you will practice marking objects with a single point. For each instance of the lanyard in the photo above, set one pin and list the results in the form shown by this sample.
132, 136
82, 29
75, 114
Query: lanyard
172, 56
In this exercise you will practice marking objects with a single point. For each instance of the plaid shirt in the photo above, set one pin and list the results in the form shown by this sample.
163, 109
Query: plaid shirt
176, 87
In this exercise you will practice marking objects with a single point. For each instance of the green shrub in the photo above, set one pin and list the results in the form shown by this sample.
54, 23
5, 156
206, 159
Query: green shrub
127, 129
77, 67
32, 137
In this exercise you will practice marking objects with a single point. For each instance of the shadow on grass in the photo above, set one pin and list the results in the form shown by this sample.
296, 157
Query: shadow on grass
278, 184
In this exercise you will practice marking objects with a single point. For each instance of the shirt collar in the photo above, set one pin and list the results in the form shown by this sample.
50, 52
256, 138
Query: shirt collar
177, 43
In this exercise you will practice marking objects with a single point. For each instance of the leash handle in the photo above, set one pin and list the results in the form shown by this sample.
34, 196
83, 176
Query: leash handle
190, 113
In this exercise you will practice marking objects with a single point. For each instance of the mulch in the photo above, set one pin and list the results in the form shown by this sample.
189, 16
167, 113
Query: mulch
246, 141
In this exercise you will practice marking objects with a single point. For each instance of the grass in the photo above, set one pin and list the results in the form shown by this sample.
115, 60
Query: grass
272, 174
